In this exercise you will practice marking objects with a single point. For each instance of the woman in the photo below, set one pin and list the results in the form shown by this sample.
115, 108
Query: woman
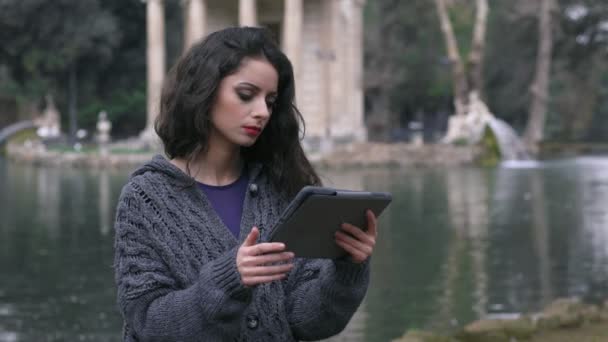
190, 262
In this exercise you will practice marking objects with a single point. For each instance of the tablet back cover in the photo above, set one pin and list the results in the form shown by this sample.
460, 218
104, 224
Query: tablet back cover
309, 231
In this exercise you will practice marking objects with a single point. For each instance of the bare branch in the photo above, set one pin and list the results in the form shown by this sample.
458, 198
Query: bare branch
478, 44
540, 85
459, 78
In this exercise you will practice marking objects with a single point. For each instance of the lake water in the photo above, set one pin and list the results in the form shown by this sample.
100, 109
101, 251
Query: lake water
456, 244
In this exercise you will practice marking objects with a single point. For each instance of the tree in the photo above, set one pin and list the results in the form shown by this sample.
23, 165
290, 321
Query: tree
510, 52
49, 46
119, 87
405, 75
576, 110
575, 87
540, 85
380, 67
467, 81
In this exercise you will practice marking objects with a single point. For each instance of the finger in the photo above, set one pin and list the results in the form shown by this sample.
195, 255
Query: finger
267, 247
252, 237
273, 257
250, 281
364, 248
355, 254
372, 223
265, 259
266, 270
359, 234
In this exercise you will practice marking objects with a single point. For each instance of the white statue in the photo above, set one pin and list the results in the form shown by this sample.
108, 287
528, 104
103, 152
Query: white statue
469, 127
104, 126
49, 123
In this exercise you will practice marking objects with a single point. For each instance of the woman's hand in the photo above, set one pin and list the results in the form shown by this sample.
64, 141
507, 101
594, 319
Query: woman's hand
254, 261
358, 243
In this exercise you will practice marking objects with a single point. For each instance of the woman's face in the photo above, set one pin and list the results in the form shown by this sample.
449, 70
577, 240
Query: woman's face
244, 102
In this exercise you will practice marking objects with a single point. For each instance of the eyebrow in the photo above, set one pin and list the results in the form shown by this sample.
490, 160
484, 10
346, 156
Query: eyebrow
255, 86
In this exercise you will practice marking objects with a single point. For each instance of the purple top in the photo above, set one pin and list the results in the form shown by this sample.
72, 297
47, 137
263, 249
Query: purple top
227, 200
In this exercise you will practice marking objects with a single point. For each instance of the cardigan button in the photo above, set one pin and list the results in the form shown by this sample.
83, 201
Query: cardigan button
253, 189
252, 321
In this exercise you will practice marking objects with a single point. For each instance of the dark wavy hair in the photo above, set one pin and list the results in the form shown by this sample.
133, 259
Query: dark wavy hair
189, 92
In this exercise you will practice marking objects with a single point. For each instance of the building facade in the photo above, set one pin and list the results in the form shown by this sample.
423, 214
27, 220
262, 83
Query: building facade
322, 38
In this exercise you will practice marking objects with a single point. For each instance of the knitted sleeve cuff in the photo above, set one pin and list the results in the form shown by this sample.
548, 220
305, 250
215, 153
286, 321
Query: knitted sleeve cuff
349, 273
227, 278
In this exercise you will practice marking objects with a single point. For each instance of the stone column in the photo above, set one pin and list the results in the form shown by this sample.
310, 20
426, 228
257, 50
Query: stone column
292, 33
247, 13
195, 20
356, 84
327, 56
155, 20
344, 33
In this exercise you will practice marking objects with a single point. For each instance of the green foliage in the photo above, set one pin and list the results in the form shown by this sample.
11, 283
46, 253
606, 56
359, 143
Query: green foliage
406, 67
22, 136
104, 39
462, 16
578, 89
125, 109
599, 130
490, 150
19, 138
510, 61
575, 90
461, 142
405, 60
129, 151
42, 39
88, 149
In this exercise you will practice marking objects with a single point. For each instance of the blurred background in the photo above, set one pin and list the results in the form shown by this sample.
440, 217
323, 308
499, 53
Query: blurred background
461, 241
407, 70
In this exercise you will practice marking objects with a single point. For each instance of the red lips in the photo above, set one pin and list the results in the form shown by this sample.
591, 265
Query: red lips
252, 130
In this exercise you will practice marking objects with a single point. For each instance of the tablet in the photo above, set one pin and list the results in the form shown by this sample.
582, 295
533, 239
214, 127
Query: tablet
308, 225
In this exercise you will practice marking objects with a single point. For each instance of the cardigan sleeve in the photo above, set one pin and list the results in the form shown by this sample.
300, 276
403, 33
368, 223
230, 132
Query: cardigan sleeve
152, 303
322, 296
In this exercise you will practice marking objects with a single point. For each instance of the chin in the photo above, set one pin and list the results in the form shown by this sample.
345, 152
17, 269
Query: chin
244, 140
247, 142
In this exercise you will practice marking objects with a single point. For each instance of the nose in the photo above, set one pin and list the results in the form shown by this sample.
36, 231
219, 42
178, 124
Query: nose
261, 110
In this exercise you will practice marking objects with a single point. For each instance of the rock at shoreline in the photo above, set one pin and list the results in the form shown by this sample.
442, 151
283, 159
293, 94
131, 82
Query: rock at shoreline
36, 154
567, 313
399, 154
422, 336
563, 320
353, 155
490, 330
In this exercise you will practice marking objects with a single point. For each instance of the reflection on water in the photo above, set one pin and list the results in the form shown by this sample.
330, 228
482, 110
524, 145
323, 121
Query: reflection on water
456, 244
56, 277
104, 202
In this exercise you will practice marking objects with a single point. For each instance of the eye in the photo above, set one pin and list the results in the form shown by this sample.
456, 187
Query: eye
245, 96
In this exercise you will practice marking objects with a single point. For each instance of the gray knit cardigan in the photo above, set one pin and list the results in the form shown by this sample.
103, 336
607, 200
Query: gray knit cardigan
176, 272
